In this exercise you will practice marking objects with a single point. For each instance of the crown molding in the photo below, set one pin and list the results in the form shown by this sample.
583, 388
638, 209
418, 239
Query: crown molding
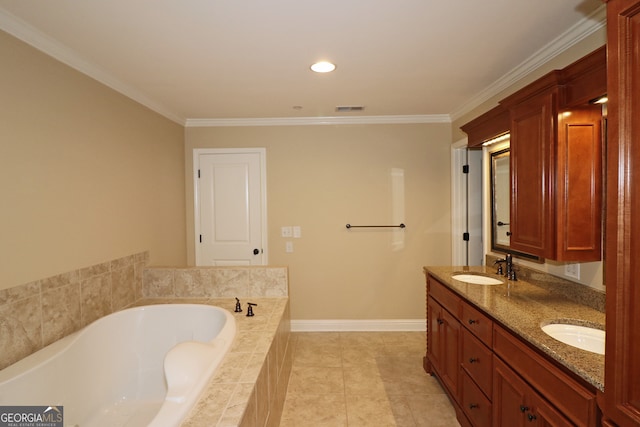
34, 37
329, 120
583, 29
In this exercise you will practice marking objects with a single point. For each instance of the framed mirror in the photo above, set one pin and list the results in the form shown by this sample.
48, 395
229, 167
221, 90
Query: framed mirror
501, 205
500, 200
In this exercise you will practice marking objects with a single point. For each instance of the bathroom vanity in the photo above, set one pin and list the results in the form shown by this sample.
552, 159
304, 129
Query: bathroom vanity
486, 345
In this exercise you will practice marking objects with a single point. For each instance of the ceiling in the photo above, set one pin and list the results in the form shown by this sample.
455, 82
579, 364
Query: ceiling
249, 59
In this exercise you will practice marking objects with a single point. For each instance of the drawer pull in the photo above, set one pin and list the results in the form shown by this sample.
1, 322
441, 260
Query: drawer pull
524, 408
473, 360
474, 406
471, 321
531, 417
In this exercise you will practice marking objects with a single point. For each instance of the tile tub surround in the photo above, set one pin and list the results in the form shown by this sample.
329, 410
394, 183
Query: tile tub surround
215, 282
36, 314
522, 307
249, 388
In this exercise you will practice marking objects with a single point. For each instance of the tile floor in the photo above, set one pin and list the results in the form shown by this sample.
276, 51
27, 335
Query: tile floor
369, 379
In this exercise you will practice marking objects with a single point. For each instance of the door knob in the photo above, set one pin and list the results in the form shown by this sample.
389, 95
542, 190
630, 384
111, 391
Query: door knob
256, 251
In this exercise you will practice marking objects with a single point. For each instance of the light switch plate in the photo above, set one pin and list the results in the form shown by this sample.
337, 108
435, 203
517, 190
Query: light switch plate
286, 231
297, 231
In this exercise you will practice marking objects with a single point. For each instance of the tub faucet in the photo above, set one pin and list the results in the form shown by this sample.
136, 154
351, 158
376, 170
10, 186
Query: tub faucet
250, 309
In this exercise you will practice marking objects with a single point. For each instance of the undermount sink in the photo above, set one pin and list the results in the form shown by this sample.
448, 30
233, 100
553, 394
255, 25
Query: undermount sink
476, 279
582, 337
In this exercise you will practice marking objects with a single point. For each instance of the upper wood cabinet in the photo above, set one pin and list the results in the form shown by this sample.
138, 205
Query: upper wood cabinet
621, 400
556, 163
532, 170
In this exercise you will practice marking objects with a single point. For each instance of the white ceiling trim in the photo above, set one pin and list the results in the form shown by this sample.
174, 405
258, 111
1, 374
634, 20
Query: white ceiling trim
30, 35
583, 29
331, 120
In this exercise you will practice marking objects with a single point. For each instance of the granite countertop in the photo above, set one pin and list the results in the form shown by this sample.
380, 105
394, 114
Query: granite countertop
522, 307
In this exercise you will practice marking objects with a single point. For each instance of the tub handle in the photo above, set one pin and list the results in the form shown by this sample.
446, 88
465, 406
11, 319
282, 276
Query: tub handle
250, 309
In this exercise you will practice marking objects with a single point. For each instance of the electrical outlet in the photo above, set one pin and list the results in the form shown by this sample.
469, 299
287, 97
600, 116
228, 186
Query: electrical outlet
572, 270
288, 247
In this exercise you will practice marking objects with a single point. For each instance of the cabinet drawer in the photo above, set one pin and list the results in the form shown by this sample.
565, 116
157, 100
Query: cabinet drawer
477, 322
445, 297
572, 399
477, 360
474, 403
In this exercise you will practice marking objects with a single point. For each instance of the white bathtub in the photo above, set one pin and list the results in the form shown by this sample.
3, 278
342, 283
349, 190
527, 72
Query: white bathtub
141, 366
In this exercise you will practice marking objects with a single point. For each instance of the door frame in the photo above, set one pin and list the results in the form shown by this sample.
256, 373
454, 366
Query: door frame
462, 252
262, 152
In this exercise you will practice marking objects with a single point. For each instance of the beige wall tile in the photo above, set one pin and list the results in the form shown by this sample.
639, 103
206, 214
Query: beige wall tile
158, 283
123, 287
95, 298
10, 295
20, 330
60, 312
189, 283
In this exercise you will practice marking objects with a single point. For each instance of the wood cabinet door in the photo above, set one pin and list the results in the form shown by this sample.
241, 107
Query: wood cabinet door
434, 332
516, 404
579, 185
444, 346
622, 266
451, 353
509, 397
545, 415
533, 127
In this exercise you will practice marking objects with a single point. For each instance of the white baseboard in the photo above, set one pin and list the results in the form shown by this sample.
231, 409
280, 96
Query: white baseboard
393, 325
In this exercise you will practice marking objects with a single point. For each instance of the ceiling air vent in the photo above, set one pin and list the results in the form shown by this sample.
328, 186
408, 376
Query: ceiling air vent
349, 108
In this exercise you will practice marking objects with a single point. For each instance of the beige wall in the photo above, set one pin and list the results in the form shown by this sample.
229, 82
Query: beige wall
86, 174
323, 177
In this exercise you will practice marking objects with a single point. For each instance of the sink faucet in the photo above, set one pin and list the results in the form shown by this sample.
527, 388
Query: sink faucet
509, 264
510, 272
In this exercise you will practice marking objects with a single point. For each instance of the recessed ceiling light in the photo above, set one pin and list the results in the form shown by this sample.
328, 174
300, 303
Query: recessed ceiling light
323, 67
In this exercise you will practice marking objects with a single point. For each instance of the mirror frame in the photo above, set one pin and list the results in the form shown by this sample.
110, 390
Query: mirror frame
495, 156
495, 247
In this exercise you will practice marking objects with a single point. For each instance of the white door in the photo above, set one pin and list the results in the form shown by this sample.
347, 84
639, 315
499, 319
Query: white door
230, 206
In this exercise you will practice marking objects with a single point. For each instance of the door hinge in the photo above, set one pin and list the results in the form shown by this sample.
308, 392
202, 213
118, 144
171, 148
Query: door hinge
198, 173
201, 238
465, 236
465, 168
